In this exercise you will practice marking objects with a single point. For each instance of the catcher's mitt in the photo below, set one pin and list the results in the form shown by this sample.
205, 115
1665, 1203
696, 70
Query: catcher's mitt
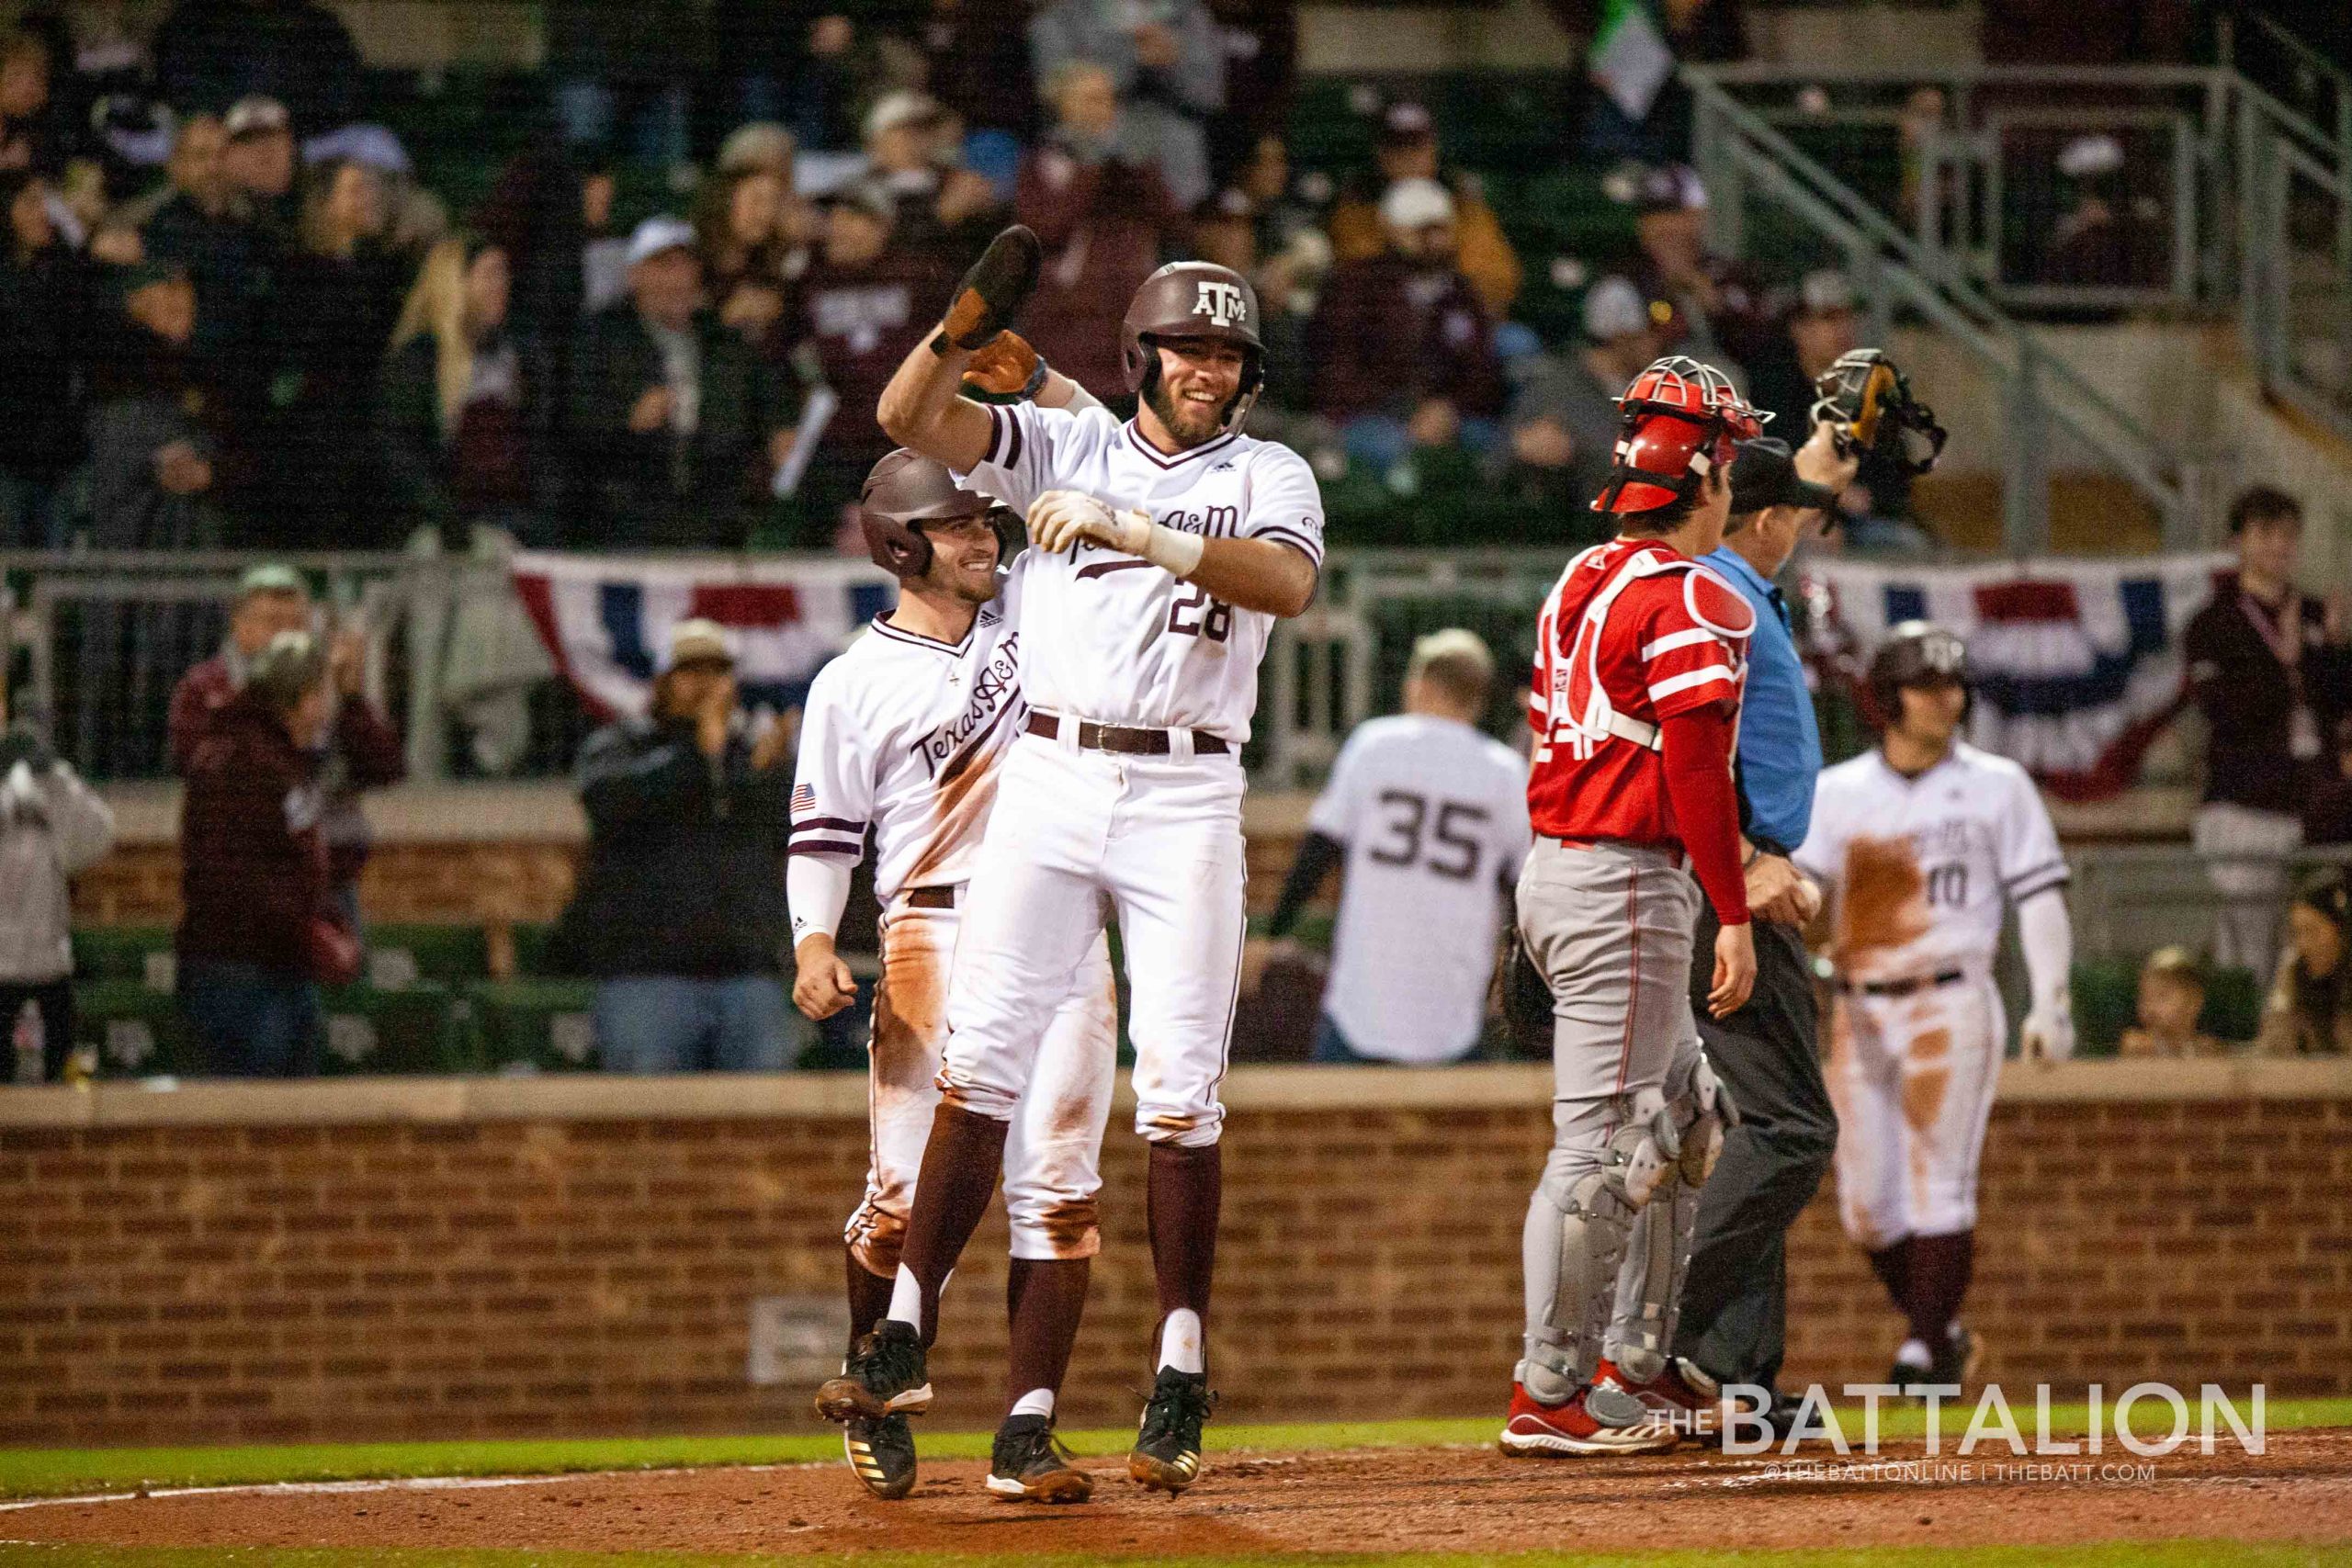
1868, 401
1526, 1003
1005, 369
991, 295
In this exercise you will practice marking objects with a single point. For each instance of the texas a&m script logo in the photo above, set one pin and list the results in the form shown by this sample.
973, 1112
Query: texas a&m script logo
1223, 303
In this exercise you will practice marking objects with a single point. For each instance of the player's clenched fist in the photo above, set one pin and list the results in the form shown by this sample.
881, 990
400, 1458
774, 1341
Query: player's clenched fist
823, 984
1060, 518
1735, 970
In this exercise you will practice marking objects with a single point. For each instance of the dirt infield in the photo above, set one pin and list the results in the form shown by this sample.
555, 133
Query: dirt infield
1454, 1499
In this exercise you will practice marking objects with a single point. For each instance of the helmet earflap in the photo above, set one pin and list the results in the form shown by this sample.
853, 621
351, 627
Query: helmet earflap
906, 491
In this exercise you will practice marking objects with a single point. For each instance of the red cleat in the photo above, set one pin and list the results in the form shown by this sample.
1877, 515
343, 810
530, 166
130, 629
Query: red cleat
1535, 1430
1683, 1398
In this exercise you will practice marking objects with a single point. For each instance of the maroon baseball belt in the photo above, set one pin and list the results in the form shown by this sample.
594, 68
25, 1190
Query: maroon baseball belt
939, 897
1911, 986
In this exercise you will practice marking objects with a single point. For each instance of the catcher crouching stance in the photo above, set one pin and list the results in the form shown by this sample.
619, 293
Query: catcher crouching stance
1162, 552
1640, 656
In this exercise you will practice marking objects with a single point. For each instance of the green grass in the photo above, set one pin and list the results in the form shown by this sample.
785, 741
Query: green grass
2112, 1554
54, 1473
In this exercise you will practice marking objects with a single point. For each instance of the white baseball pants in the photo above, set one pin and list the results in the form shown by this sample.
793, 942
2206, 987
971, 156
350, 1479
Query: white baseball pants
1912, 1077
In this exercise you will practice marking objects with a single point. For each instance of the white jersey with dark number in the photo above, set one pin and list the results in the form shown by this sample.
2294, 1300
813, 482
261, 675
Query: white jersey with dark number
906, 735
1115, 639
1433, 814
1919, 869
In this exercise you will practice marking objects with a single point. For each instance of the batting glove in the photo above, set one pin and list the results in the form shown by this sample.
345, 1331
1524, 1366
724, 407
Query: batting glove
1061, 518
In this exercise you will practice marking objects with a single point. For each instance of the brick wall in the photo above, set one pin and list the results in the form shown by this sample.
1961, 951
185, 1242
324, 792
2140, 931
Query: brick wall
445, 1258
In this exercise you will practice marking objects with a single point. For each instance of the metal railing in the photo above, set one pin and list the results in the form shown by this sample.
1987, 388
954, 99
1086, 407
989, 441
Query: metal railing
2072, 190
1746, 159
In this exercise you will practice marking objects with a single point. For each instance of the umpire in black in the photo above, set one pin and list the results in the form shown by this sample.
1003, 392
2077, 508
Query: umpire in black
1735, 1298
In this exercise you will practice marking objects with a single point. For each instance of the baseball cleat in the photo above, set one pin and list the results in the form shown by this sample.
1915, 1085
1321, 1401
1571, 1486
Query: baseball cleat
1027, 1463
1686, 1399
882, 1453
1956, 1362
885, 1377
1590, 1421
1167, 1455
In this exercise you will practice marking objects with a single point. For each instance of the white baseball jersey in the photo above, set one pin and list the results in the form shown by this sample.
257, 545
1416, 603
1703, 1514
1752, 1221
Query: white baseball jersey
1919, 869
906, 735
1114, 639
1434, 818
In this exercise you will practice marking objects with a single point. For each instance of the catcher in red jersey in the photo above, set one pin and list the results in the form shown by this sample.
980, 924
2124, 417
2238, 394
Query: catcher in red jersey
1640, 656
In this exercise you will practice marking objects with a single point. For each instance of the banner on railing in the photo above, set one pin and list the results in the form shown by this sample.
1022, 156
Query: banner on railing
2076, 664
606, 619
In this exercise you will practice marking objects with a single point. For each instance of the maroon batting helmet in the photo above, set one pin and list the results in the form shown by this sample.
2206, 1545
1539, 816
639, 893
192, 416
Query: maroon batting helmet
1199, 300
906, 491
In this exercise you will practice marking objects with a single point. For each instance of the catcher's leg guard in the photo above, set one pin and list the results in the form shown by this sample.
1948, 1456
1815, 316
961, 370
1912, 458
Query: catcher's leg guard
1649, 1284
1579, 1225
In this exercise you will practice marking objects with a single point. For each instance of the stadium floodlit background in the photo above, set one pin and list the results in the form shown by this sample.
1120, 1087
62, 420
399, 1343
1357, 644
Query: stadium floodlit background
346, 313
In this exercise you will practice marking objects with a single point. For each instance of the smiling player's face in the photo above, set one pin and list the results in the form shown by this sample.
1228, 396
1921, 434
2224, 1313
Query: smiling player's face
1198, 376
964, 553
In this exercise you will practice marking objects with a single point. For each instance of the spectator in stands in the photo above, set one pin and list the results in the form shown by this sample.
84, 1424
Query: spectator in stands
624, 75
44, 325
1403, 351
261, 162
355, 748
31, 140
976, 62
2270, 669
329, 326
465, 429
1719, 310
749, 253
865, 304
680, 911
2327, 816
2310, 1010
52, 827
2171, 1000
195, 179
1167, 63
1260, 42
1104, 219
1274, 212
1414, 945
1564, 416
1823, 323
674, 420
938, 208
210, 53
258, 929
1406, 148
159, 431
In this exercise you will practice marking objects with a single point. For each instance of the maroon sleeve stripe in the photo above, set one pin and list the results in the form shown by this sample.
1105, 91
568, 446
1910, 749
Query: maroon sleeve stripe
1011, 440
851, 847
825, 824
1295, 540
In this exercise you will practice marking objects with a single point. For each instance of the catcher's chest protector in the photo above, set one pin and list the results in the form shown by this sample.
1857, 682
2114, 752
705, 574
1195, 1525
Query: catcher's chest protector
1580, 714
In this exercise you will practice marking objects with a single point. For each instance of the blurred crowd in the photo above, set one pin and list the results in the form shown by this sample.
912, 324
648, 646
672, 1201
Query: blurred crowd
241, 319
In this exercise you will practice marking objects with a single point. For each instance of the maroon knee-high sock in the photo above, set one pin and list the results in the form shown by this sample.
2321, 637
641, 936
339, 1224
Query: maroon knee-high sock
1892, 1267
1044, 1299
1182, 1191
1940, 1269
869, 1298
952, 1193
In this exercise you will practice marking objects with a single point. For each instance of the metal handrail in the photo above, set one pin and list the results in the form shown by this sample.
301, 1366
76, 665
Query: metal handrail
1952, 303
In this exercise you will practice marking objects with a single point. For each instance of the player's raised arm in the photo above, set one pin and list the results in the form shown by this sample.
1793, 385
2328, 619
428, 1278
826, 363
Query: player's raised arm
920, 408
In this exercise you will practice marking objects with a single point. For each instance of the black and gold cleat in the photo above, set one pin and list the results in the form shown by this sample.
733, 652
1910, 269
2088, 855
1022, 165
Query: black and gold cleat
1028, 1464
882, 1453
1167, 1455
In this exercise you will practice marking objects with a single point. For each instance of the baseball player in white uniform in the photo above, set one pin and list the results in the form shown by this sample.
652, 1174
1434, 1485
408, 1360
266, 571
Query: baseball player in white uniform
906, 733
1919, 846
1163, 551
1429, 815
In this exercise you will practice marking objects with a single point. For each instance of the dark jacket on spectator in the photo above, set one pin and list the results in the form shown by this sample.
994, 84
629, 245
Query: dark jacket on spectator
860, 321
684, 869
2248, 698
496, 466
1105, 225
44, 323
235, 261
146, 393
254, 863
1391, 332
363, 751
657, 490
209, 53
328, 330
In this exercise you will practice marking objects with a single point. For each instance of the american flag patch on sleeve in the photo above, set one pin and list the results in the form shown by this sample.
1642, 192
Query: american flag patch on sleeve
804, 798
